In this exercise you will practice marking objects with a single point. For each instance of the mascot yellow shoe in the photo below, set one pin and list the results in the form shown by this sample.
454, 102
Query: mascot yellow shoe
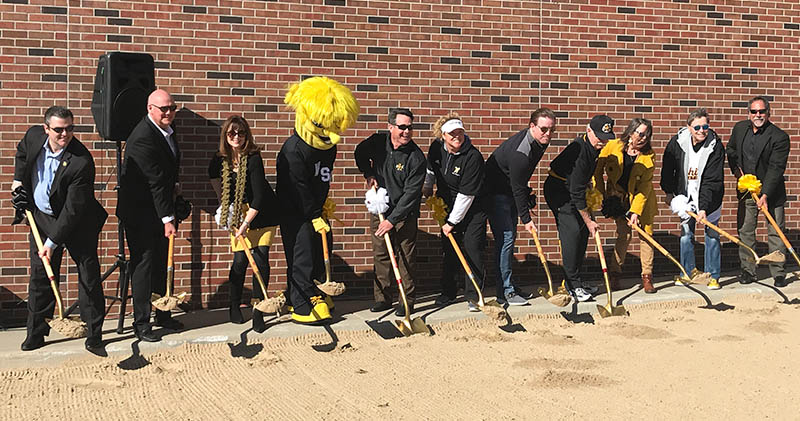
328, 301
319, 312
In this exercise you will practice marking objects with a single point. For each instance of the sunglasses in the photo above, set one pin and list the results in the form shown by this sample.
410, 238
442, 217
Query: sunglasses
704, 127
166, 108
761, 111
233, 133
60, 130
544, 130
643, 135
404, 127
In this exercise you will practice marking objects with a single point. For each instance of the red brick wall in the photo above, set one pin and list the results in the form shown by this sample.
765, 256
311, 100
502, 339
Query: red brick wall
492, 61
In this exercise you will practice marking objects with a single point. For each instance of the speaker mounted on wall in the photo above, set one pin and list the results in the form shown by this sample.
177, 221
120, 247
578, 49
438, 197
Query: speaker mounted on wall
121, 87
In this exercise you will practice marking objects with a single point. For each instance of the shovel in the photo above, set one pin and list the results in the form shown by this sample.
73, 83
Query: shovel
407, 326
492, 308
267, 305
774, 224
774, 257
560, 297
168, 302
69, 327
329, 287
609, 310
702, 277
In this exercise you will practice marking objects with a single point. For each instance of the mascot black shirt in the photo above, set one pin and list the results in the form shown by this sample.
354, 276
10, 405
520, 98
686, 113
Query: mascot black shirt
304, 178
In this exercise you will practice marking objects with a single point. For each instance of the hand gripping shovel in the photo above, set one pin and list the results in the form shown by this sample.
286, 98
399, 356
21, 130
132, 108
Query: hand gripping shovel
774, 257
609, 310
69, 327
560, 297
702, 277
267, 305
407, 326
329, 287
168, 301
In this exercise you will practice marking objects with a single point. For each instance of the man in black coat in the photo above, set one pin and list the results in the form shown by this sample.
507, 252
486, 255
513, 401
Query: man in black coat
54, 178
147, 208
759, 147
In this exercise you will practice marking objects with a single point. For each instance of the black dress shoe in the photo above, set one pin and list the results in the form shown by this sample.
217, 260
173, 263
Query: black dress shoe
780, 281
746, 278
380, 306
31, 343
401, 309
95, 346
147, 336
235, 314
258, 322
169, 323
529, 295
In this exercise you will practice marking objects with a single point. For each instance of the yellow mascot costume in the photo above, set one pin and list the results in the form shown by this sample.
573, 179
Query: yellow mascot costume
324, 109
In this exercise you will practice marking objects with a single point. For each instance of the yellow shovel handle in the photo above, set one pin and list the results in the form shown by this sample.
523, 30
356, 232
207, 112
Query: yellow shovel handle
722, 232
663, 251
542, 258
774, 224
253, 266
467, 269
46, 262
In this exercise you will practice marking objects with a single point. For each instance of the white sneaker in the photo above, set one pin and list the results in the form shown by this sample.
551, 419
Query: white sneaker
580, 294
591, 289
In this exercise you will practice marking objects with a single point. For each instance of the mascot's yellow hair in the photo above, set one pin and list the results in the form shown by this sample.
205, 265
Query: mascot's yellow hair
324, 109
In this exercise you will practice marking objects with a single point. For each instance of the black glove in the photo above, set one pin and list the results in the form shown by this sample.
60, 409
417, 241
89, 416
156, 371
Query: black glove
183, 208
531, 199
19, 199
613, 207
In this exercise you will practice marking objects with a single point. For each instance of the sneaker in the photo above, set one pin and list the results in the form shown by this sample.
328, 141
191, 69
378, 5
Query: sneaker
580, 294
714, 284
516, 300
444, 300
472, 308
780, 281
523, 294
680, 281
746, 278
591, 289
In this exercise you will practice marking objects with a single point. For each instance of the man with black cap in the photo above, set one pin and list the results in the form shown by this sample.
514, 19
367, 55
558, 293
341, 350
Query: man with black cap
565, 192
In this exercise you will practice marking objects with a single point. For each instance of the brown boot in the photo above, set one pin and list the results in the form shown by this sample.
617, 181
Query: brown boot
647, 284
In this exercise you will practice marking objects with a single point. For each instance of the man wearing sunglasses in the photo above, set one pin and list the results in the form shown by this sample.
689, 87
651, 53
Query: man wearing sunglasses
761, 148
54, 179
693, 166
508, 171
146, 206
393, 161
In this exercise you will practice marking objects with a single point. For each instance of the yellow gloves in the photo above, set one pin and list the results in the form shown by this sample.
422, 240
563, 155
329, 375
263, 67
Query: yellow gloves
320, 225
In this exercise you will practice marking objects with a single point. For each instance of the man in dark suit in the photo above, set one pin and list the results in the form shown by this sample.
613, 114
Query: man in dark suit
147, 208
54, 178
759, 147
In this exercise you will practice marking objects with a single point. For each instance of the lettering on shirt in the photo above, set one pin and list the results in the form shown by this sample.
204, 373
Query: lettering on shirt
692, 175
324, 173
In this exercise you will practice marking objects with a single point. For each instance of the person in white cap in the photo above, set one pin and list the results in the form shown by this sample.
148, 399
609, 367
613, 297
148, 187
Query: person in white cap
456, 167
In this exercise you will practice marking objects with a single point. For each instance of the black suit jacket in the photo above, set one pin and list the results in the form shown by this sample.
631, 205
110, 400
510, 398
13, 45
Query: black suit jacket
772, 151
149, 174
75, 208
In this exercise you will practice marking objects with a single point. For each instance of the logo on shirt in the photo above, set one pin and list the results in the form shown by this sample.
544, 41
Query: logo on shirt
692, 175
399, 166
324, 173
457, 171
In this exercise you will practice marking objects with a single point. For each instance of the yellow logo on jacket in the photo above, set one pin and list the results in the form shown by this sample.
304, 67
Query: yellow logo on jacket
399, 166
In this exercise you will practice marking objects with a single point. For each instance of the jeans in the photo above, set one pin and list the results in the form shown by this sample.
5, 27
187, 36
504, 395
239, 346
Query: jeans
712, 258
503, 222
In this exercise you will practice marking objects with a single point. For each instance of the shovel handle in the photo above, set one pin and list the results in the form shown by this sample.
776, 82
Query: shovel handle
46, 263
603, 265
542, 258
774, 224
660, 248
326, 256
396, 269
170, 264
467, 269
253, 266
725, 234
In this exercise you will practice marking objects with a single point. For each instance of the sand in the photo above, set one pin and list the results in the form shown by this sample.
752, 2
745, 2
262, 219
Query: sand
732, 360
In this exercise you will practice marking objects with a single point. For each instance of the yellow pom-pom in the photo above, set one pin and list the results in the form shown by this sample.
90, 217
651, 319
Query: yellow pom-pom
594, 199
749, 182
329, 210
438, 207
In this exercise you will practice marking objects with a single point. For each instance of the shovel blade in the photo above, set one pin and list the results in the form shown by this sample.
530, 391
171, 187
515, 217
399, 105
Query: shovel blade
493, 310
410, 327
546, 293
611, 311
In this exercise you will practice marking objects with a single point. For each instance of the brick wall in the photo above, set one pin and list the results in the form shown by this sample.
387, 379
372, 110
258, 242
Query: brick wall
492, 61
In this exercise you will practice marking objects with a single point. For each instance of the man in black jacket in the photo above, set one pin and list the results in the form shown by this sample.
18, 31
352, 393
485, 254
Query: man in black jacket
147, 208
759, 147
508, 171
693, 166
397, 164
54, 178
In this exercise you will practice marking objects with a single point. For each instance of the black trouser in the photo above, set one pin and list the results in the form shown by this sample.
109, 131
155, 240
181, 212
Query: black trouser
147, 268
470, 234
239, 270
41, 300
572, 231
303, 249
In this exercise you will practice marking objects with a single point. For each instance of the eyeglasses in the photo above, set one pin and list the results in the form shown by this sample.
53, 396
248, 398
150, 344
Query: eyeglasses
544, 130
164, 109
643, 135
404, 127
761, 111
233, 133
698, 127
60, 130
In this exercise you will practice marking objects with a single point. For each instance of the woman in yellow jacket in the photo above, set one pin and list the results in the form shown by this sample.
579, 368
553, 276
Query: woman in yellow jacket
628, 165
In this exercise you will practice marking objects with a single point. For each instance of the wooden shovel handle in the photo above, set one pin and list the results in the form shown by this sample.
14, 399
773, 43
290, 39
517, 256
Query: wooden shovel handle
542, 258
253, 266
660, 248
170, 264
390, 249
46, 263
722, 232
467, 269
774, 224
326, 256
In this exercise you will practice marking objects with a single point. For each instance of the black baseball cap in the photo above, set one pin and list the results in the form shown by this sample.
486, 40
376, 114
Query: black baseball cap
603, 127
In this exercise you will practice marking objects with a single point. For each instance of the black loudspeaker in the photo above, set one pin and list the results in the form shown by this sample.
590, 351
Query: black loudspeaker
121, 87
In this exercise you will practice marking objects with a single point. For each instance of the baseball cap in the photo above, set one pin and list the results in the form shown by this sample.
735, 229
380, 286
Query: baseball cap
603, 127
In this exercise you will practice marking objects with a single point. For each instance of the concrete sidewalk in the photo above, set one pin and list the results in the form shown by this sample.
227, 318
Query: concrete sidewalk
211, 326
